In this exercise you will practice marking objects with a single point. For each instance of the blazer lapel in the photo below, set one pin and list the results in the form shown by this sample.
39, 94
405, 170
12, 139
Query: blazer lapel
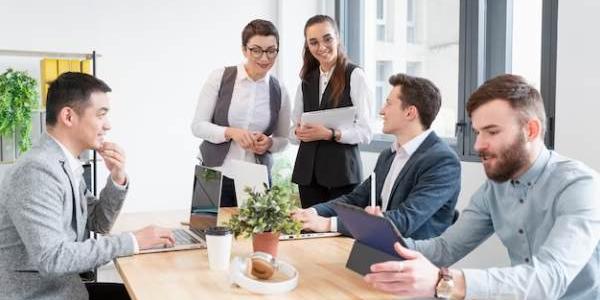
76, 221
380, 180
55, 152
427, 143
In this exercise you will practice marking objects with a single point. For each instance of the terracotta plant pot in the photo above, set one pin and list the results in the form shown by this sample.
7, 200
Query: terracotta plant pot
265, 242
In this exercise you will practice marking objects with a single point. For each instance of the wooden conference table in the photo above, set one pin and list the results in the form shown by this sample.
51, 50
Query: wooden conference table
185, 274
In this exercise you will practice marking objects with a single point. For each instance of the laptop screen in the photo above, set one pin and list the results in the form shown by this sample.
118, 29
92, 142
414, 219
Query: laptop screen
206, 197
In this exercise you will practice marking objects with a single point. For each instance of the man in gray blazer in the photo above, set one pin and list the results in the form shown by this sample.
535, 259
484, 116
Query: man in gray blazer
417, 180
46, 211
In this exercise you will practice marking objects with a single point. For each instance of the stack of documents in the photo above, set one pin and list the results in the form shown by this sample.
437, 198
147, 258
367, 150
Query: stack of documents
331, 118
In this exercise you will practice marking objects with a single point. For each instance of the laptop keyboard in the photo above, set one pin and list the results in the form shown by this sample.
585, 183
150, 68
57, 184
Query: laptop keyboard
182, 237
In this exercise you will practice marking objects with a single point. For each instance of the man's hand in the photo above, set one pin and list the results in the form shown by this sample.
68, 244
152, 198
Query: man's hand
374, 210
312, 132
262, 143
241, 136
154, 237
311, 220
415, 276
114, 158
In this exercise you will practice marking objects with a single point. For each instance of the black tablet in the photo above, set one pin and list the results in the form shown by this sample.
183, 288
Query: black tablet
374, 231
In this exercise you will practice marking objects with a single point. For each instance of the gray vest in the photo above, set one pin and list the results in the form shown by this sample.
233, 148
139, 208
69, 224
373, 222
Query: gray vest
213, 155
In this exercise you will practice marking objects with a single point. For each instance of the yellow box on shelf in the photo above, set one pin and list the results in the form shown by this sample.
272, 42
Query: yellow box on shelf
64, 65
75, 65
86, 66
45, 87
49, 72
49, 68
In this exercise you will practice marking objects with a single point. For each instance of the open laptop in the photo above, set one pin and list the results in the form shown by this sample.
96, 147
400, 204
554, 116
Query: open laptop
206, 197
255, 176
247, 174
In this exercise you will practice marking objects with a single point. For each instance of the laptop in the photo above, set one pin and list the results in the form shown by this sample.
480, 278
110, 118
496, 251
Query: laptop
247, 174
204, 211
256, 176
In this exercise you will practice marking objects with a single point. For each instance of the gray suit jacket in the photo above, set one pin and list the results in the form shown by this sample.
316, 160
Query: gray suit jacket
44, 223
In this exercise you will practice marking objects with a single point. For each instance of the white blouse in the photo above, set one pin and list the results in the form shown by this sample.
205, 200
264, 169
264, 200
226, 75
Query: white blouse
358, 133
249, 109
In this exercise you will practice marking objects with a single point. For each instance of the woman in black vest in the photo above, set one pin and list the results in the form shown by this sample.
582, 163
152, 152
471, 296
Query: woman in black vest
243, 113
328, 163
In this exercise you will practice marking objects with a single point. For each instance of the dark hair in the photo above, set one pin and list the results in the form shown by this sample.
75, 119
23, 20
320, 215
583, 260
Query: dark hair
259, 27
421, 93
72, 90
338, 78
514, 89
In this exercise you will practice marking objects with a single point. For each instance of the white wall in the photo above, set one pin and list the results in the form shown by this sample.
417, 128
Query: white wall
578, 81
155, 56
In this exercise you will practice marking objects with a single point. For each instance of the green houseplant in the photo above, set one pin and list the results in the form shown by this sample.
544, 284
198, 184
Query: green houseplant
264, 216
18, 97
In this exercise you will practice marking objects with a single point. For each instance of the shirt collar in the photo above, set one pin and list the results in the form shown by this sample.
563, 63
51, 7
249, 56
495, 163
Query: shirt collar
326, 74
243, 75
531, 175
411, 146
74, 163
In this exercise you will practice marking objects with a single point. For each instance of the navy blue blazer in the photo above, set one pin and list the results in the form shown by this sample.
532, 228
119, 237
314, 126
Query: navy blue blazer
424, 194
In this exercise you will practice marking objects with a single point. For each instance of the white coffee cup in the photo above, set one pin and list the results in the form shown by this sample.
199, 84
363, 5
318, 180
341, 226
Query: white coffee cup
218, 242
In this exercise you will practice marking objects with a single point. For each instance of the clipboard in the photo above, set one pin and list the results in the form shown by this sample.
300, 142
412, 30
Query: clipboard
330, 118
375, 237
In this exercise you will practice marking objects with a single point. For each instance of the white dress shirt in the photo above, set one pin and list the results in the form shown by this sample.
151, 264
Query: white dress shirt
403, 154
76, 168
358, 133
249, 109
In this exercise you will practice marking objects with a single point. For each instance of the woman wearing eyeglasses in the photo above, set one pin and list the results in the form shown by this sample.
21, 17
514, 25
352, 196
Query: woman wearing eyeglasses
243, 112
328, 163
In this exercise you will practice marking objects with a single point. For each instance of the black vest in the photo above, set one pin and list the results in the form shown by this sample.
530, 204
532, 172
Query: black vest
213, 155
331, 163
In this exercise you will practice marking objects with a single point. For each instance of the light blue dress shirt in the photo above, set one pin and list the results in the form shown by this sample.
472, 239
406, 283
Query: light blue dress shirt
549, 221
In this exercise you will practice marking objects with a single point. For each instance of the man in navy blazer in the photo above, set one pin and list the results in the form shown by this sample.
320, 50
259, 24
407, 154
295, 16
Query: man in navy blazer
417, 179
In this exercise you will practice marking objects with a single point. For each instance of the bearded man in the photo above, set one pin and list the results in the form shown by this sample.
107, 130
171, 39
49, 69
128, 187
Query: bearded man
544, 207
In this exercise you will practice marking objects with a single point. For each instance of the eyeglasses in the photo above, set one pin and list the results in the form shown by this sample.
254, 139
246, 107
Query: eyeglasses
257, 52
327, 41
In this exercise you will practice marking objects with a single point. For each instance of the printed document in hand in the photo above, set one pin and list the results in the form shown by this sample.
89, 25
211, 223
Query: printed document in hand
330, 118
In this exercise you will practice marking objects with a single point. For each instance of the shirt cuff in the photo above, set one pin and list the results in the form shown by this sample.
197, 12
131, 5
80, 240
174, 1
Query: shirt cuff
121, 187
346, 136
333, 224
136, 247
476, 284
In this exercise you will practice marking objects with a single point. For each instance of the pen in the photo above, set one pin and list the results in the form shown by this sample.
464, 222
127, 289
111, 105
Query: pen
373, 189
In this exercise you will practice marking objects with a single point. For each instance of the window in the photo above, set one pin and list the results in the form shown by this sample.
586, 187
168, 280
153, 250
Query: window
413, 68
382, 87
380, 20
435, 56
527, 40
411, 31
457, 44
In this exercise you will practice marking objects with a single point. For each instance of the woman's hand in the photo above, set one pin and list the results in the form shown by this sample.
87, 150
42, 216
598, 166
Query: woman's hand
262, 143
241, 136
312, 132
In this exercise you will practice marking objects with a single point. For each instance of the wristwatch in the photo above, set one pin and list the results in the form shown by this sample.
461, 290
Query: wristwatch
332, 134
445, 285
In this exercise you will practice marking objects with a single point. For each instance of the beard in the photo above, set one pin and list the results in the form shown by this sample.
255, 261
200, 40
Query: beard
509, 160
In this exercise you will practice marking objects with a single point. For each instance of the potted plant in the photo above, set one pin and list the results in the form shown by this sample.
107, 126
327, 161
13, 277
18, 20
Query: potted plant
264, 216
18, 97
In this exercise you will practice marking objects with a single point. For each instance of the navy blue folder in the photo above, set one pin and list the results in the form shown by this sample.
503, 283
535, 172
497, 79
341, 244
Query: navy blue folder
375, 237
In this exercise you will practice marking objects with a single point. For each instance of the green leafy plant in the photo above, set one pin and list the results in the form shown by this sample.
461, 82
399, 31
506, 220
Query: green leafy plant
282, 176
18, 97
265, 212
